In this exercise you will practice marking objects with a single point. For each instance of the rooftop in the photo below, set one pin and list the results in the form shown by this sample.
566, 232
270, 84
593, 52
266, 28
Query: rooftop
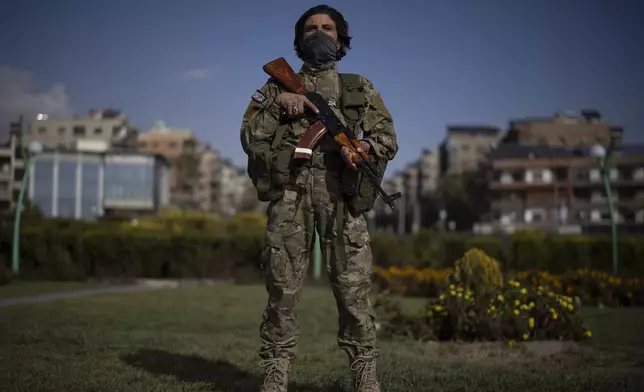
473, 130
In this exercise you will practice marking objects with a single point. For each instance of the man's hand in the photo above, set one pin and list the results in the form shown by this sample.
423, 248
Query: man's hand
349, 157
294, 104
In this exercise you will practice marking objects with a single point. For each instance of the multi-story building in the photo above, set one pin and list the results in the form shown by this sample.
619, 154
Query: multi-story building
88, 184
466, 147
537, 186
567, 129
180, 147
207, 192
107, 129
10, 162
231, 183
416, 182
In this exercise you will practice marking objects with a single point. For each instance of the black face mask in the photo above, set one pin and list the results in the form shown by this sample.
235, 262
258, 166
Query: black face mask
319, 48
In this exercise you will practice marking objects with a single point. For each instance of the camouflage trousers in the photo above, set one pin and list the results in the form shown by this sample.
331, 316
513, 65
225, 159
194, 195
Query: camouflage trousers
289, 239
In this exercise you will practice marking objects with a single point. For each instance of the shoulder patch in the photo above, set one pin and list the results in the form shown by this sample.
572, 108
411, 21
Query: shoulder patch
259, 97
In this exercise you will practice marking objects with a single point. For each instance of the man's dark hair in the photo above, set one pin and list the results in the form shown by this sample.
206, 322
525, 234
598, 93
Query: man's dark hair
341, 26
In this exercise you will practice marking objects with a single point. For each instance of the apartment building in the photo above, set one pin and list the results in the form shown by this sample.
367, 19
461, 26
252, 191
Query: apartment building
106, 129
231, 183
565, 129
465, 147
181, 148
10, 162
538, 185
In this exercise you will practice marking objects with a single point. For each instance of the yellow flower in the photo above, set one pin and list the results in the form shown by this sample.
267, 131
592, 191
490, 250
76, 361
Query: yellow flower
516, 312
459, 295
492, 307
531, 322
500, 298
516, 302
451, 287
511, 343
524, 291
554, 316
452, 292
430, 314
442, 297
531, 305
525, 336
438, 308
588, 333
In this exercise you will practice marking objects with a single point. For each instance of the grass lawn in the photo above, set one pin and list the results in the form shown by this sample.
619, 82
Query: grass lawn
19, 288
205, 338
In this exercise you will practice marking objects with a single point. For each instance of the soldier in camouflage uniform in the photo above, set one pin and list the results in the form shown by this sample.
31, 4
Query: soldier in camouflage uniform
312, 196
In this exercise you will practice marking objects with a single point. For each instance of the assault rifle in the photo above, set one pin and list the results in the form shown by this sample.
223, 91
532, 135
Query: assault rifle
326, 122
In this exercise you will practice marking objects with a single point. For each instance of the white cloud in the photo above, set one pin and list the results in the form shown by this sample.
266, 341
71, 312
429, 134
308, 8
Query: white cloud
196, 74
18, 98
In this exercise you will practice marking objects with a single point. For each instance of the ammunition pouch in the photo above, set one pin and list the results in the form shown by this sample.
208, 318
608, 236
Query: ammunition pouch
352, 101
360, 194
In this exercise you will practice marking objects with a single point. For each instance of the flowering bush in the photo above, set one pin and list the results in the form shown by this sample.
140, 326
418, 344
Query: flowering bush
410, 281
509, 313
592, 287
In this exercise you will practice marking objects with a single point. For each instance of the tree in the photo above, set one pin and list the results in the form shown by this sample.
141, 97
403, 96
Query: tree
464, 197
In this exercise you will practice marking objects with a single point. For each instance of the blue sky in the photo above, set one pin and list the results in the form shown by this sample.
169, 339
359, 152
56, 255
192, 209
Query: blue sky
195, 63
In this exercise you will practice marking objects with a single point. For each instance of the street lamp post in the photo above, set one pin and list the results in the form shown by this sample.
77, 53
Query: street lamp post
34, 148
603, 156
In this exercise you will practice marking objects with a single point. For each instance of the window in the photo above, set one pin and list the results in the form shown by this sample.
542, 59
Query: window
98, 131
67, 189
129, 181
42, 130
79, 130
43, 184
61, 130
90, 207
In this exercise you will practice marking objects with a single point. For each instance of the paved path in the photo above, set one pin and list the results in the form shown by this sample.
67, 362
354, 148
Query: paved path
140, 285
73, 294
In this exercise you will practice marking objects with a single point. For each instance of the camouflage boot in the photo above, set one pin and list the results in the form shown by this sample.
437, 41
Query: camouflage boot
276, 378
364, 374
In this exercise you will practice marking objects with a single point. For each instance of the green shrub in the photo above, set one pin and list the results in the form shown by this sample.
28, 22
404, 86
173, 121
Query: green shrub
134, 252
478, 272
510, 313
389, 250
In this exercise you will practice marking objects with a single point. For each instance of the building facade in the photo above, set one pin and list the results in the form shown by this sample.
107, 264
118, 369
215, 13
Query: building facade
567, 129
181, 148
108, 129
554, 186
10, 165
465, 148
88, 185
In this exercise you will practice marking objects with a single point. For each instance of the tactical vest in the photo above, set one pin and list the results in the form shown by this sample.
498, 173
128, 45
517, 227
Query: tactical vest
270, 168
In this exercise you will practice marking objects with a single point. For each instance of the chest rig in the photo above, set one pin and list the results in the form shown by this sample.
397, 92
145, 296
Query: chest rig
351, 105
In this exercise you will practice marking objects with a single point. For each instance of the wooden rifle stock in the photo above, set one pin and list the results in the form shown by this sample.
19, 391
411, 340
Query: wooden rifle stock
280, 70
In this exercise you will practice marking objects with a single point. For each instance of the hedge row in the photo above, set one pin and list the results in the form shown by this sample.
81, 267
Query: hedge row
110, 251
518, 252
